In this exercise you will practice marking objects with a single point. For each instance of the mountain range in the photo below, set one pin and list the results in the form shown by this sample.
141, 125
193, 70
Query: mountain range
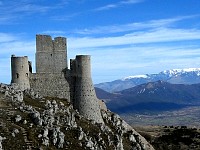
174, 76
152, 96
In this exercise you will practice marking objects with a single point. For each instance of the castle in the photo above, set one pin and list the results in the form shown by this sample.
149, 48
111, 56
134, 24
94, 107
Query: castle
53, 78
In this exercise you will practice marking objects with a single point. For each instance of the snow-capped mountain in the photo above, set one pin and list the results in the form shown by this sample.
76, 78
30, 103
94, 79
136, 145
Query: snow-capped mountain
136, 76
181, 71
174, 76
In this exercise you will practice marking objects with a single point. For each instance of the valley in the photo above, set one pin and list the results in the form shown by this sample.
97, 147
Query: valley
166, 114
157, 102
188, 116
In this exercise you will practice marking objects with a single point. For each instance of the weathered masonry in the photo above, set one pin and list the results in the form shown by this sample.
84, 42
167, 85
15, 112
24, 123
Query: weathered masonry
53, 78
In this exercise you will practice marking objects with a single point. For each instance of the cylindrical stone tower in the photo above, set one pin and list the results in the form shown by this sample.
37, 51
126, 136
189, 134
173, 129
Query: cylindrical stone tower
85, 97
20, 71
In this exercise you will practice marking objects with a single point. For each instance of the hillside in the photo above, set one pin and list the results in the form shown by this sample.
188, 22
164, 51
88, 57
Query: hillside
157, 103
29, 121
106, 96
154, 96
174, 76
171, 137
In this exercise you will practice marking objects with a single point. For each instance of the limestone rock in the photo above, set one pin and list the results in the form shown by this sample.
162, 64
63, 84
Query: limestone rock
45, 138
89, 143
81, 134
61, 139
15, 131
53, 117
18, 118
1, 140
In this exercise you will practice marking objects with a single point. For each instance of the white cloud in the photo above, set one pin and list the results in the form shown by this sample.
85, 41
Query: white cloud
118, 4
110, 62
152, 36
5, 69
131, 1
109, 6
64, 17
114, 63
13, 44
17, 47
147, 51
4, 37
15, 10
135, 26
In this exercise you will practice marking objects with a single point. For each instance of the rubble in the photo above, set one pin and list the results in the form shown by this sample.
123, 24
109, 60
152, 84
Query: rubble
18, 118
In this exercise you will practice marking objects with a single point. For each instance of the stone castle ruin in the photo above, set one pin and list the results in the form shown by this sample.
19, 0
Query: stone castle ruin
53, 78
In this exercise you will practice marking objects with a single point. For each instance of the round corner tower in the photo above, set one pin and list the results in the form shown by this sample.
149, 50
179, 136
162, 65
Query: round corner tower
20, 71
85, 99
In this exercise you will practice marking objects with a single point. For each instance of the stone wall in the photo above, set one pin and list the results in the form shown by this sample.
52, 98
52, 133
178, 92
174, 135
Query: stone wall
52, 85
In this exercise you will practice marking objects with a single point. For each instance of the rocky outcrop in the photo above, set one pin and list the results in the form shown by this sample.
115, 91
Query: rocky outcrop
53, 123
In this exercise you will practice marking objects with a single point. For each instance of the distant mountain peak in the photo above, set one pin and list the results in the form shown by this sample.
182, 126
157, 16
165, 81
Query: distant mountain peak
174, 76
168, 72
135, 76
178, 71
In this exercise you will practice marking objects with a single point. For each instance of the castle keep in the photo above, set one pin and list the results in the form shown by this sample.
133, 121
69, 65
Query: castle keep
53, 78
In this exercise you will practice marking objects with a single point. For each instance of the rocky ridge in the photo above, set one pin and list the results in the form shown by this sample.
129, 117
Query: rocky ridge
29, 121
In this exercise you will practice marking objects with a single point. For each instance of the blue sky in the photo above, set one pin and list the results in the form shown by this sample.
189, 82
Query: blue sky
124, 37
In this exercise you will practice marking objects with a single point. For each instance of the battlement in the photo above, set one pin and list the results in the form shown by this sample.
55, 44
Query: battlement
19, 57
59, 44
44, 43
